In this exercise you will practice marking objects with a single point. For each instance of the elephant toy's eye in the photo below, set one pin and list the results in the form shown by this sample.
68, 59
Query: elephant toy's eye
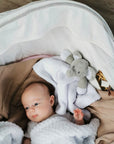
78, 72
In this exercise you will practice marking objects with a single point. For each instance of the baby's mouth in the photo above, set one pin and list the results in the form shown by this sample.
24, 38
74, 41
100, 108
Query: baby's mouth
34, 116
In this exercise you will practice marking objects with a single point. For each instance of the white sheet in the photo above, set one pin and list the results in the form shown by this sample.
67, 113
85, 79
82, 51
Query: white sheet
47, 27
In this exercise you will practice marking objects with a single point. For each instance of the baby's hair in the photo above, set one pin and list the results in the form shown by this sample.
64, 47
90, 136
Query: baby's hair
50, 87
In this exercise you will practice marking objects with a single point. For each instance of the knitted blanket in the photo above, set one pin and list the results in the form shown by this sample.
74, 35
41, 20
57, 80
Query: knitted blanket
58, 129
54, 70
10, 133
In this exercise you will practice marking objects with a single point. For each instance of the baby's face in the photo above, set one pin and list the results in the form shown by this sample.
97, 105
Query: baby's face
37, 102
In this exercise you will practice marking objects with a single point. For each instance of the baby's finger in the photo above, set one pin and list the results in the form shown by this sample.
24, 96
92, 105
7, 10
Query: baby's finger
81, 115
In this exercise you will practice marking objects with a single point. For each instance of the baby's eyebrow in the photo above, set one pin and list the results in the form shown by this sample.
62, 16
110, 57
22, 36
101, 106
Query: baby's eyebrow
25, 106
37, 99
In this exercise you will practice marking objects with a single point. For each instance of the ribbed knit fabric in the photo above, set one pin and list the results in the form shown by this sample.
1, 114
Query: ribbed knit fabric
59, 130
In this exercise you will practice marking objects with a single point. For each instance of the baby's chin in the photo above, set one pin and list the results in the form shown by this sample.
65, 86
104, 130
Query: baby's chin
37, 119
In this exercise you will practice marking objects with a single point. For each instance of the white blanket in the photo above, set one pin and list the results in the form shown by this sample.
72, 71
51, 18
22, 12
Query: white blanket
54, 71
59, 130
10, 133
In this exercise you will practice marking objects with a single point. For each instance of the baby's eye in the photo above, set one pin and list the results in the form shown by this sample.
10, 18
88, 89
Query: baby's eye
26, 108
36, 104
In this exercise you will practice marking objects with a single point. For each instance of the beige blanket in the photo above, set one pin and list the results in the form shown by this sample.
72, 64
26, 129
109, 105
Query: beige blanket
13, 79
104, 110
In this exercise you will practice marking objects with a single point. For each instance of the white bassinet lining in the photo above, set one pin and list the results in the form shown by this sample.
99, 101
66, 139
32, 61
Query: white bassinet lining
48, 27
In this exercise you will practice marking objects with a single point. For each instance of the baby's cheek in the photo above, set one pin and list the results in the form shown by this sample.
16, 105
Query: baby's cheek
28, 114
45, 110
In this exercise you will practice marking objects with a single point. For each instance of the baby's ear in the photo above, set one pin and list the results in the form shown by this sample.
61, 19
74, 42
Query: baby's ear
52, 100
77, 55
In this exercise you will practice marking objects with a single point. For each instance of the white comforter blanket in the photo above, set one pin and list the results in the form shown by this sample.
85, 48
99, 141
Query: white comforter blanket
59, 130
54, 71
10, 133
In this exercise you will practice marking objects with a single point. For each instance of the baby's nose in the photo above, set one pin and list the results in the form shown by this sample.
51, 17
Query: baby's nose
32, 108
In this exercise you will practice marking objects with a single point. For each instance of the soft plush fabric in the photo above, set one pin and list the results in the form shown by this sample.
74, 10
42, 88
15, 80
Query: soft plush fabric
57, 129
54, 71
10, 133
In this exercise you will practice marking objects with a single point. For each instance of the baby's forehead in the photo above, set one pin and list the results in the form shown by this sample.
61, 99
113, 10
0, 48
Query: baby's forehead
36, 88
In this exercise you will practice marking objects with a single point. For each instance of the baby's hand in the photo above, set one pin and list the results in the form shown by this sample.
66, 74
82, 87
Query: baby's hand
78, 116
26, 141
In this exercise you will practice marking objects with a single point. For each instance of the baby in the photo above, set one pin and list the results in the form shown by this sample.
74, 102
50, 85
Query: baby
38, 102
46, 127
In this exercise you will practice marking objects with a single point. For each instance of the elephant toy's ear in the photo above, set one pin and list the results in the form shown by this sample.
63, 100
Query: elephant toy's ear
91, 73
67, 56
77, 55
